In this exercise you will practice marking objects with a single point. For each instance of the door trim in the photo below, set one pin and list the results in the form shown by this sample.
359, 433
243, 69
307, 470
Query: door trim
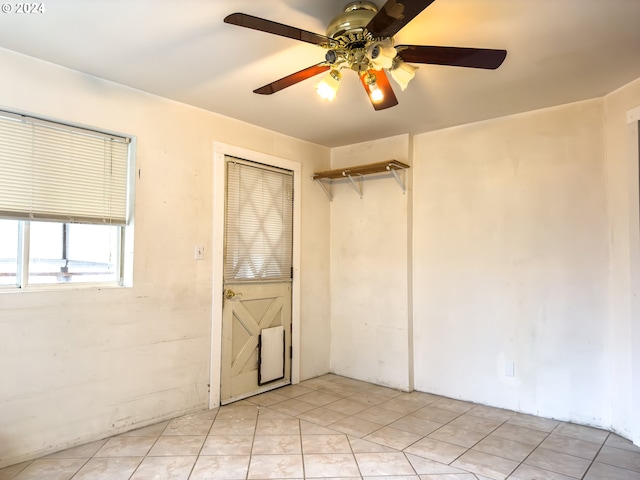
219, 151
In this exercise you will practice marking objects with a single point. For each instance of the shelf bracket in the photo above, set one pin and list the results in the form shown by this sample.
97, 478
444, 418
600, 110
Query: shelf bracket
397, 177
358, 190
326, 190
390, 166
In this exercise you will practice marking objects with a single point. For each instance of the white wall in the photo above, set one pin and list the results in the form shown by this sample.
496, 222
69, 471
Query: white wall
370, 264
525, 234
511, 263
81, 364
624, 238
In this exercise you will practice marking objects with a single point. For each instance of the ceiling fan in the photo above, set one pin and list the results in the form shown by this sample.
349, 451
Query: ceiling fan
361, 39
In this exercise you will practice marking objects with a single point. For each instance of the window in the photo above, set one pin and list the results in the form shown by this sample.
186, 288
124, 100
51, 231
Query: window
259, 222
9, 247
64, 200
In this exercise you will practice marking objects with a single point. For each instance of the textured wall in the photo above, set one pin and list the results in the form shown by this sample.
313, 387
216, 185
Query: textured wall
80, 364
370, 264
624, 238
511, 263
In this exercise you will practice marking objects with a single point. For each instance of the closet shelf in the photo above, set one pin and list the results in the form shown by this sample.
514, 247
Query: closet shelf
359, 171
371, 168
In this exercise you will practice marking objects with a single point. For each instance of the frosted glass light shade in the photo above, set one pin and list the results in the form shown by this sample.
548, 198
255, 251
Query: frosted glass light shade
381, 54
403, 74
328, 86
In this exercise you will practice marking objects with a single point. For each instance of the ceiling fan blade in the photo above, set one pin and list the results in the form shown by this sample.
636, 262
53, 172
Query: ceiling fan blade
256, 23
292, 79
455, 56
394, 15
389, 99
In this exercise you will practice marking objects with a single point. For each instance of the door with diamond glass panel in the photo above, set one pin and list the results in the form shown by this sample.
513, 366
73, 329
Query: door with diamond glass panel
256, 313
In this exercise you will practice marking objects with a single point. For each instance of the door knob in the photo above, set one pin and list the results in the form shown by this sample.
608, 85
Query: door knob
229, 294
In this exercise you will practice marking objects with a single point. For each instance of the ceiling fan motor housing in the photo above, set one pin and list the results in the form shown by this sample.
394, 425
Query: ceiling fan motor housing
356, 16
352, 38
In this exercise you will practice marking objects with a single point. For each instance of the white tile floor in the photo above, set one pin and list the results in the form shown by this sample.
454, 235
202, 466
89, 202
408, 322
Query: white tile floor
335, 427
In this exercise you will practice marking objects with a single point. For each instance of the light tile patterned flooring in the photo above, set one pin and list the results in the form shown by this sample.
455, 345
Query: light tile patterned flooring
335, 427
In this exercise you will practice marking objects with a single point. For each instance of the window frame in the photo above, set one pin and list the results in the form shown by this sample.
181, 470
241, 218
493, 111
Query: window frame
124, 265
23, 258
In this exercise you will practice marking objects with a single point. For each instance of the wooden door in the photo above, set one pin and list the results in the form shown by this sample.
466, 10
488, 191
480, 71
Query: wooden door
248, 310
256, 314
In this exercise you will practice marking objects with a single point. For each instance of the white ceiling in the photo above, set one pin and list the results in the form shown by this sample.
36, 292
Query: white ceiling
559, 51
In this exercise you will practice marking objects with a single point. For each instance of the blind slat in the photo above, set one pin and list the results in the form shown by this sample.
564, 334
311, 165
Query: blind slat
55, 172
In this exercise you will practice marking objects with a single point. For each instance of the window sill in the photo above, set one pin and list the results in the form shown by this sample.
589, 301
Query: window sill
62, 287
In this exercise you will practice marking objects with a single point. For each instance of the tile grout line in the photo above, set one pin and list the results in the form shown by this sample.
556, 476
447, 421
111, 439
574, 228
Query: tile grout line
521, 462
144, 457
253, 441
442, 426
304, 470
355, 459
468, 449
596, 456
203, 443
539, 445
78, 471
405, 415
534, 449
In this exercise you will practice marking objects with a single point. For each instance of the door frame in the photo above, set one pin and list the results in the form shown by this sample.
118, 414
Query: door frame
220, 150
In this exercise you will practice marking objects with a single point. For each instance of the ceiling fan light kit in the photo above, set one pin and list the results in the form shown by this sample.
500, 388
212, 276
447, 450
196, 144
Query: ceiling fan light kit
328, 86
361, 40
375, 93
382, 54
402, 73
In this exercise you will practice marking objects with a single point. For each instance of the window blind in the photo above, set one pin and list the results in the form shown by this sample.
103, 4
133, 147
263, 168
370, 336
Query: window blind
259, 223
55, 172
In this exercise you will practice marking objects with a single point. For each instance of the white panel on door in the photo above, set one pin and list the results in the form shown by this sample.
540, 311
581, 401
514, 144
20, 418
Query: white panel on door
271, 354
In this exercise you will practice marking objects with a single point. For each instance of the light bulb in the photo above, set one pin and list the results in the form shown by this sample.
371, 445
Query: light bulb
371, 83
325, 91
375, 93
328, 86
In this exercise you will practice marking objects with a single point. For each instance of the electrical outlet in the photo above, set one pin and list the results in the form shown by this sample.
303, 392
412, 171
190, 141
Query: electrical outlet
199, 252
510, 369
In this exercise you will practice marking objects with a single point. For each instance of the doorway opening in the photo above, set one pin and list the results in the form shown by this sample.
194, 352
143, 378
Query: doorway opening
255, 300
